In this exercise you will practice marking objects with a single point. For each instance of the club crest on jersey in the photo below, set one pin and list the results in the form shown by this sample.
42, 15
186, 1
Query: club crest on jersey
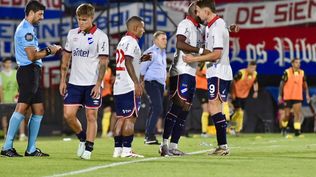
90, 40
184, 88
80, 52
29, 37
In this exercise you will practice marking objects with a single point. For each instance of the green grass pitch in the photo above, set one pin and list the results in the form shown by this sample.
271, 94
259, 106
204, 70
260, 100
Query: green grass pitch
252, 155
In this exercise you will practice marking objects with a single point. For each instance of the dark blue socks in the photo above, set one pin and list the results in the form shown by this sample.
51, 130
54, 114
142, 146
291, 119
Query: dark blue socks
178, 127
127, 141
82, 136
170, 120
118, 141
219, 120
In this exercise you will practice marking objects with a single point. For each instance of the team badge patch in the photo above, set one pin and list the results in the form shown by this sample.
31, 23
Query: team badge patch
90, 40
29, 37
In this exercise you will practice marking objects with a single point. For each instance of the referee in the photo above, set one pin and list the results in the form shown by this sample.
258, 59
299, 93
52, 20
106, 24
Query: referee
29, 60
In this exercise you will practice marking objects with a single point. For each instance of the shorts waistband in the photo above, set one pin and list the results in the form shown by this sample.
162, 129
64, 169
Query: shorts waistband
33, 65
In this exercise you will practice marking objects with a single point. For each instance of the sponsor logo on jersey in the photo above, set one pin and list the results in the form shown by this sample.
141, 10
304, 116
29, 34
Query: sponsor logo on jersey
80, 52
184, 88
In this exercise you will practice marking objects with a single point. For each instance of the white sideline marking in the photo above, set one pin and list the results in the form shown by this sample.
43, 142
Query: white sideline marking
117, 164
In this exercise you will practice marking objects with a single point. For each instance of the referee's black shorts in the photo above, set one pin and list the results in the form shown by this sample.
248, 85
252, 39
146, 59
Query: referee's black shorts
202, 95
29, 78
108, 101
290, 103
239, 103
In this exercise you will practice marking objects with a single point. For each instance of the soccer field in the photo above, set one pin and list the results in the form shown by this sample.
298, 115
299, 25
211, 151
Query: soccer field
252, 155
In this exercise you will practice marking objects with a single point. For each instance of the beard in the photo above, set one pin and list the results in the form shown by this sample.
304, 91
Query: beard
36, 23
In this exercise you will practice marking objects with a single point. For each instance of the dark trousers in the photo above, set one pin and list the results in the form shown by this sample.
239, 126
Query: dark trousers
155, 92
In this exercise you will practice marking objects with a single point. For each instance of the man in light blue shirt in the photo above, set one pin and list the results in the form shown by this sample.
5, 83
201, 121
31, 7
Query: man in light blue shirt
25, 36
29, 60
154, 74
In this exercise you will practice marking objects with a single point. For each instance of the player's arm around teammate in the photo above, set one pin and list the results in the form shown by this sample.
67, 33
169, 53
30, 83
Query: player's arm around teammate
219, 73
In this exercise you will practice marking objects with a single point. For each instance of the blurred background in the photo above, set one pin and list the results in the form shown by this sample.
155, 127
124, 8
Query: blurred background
272, 32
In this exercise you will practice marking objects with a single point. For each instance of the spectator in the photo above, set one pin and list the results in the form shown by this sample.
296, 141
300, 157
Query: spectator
9, 94
219, 74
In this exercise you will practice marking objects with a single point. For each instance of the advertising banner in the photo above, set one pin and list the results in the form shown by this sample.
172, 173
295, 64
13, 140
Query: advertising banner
274, 48
269, 14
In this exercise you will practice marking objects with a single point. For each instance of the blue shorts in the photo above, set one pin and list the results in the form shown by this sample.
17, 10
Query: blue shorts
218, 88
81, 96
126, 105
184, 86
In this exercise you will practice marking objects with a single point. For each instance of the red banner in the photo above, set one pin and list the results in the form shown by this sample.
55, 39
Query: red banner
274, 48
269, 14
297, 36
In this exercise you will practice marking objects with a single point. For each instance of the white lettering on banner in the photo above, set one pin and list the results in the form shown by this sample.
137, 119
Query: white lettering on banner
253, 52
269, 14
235, 50
257, 53
287, 50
